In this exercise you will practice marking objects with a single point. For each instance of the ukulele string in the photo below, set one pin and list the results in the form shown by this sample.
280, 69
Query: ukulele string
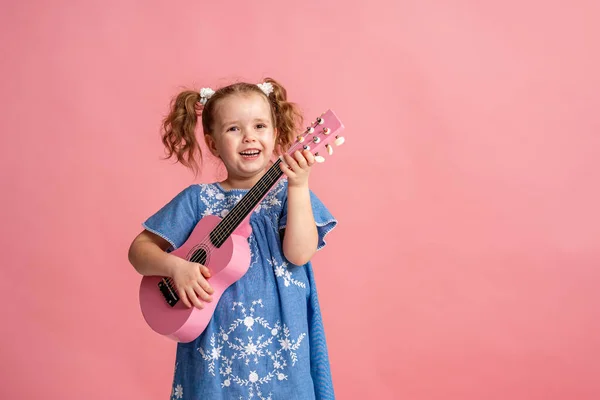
255, 194
252, 195
197, 256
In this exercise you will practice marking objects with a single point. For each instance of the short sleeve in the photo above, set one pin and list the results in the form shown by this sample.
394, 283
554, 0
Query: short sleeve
176, 220
323, 218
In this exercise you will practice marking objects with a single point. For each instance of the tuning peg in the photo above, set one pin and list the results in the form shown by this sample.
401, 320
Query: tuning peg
319, 158
306, 147
316, 139
329, 149
310, 129
320, 121
327, 131
300, 139
339, 140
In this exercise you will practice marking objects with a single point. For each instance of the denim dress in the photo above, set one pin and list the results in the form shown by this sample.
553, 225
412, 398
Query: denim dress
266, 338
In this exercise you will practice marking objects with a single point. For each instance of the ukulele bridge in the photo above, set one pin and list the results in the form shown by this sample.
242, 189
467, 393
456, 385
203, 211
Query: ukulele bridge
166, 289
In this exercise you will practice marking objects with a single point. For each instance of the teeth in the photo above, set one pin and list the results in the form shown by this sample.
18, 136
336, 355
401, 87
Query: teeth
249, 153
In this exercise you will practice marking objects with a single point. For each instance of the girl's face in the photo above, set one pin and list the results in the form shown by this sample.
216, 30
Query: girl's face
243, 136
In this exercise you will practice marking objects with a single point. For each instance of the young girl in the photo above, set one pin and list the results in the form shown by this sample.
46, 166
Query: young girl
266, 338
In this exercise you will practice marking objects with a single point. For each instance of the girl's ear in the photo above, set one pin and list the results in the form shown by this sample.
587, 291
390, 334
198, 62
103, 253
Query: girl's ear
212, 146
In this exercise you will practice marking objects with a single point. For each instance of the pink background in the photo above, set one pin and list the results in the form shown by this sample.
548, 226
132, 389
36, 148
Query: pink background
465, 264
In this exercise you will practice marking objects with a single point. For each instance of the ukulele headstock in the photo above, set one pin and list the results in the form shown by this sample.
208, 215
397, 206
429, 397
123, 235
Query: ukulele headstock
320, 136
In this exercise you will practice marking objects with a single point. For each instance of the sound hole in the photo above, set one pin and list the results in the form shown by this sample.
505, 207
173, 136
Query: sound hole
198, 256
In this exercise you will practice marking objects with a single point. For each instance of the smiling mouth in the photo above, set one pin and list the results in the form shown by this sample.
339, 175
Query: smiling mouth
250, 153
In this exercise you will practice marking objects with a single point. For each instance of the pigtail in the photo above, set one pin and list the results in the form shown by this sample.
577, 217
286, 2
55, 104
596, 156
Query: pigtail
179, 128
288, 118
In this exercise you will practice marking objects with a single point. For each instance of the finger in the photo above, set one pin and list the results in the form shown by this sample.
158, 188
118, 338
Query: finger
203, 283
310, 158
202, 293
183, 297
193, 298
291, 162
205, 271
300, 159
286, 170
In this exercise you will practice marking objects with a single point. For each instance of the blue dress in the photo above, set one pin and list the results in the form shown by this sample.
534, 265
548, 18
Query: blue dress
266, 337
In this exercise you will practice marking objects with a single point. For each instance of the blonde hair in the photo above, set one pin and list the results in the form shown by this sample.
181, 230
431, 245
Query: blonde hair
178, 128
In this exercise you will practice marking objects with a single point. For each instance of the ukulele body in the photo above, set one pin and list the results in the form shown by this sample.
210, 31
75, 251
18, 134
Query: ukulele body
227, 264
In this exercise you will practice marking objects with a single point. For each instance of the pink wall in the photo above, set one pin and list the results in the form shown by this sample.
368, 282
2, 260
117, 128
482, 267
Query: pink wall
465, 265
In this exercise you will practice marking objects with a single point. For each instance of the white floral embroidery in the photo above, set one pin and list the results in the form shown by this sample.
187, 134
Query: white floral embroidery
282, 271
273, 342
178, 393
216, 203
253, 250
177, 390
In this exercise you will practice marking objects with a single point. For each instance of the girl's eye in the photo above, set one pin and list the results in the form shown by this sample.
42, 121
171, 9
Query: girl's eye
261, 126
232, 128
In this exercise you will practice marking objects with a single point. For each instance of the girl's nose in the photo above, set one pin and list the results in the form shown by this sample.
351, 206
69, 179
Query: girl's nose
249, 137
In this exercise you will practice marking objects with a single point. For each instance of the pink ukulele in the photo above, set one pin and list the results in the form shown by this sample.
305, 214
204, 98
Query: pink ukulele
222, 245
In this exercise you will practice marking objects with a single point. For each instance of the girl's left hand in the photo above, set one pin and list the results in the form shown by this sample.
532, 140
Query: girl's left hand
297, 168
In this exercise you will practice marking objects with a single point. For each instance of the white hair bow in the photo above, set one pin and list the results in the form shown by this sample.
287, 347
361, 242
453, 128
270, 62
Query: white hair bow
266, 87
205, 94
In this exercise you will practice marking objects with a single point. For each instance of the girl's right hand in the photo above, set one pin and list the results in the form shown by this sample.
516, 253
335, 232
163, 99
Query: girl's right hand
191, 283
